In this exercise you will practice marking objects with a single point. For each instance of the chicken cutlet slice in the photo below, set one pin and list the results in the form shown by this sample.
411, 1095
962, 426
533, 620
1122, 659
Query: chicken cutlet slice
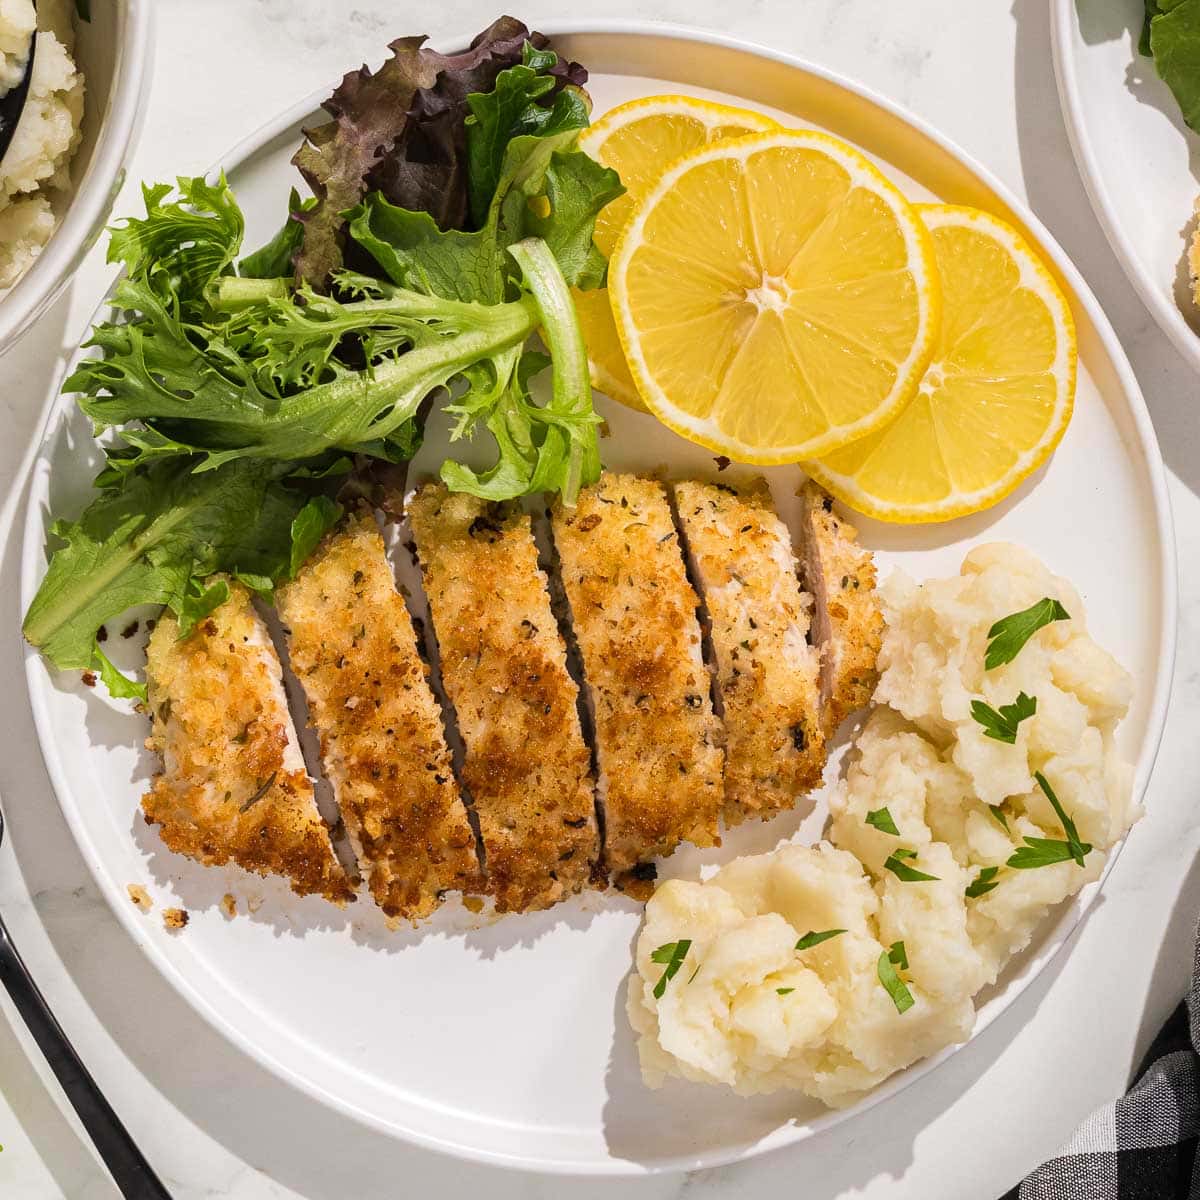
658, 744
233, 787
503, 664
847, 619
383, 747
767, 673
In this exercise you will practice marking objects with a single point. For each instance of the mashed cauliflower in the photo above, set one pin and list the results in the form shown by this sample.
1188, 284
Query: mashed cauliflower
748, 1010
34, 175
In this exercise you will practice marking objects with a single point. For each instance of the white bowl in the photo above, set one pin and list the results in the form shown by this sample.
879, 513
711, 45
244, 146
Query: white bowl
113, 51
1140, 164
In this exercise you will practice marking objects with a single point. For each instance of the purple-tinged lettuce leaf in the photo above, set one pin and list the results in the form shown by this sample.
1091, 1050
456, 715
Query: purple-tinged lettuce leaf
402, 131
369, 112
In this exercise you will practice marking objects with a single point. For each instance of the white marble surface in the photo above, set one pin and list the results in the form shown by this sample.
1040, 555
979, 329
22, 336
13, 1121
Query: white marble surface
215, 1124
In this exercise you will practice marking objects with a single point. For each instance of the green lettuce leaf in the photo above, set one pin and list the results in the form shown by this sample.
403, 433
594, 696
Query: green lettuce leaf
276, 257
119, 686
146, 542
1175, 44
199, 601
516, 107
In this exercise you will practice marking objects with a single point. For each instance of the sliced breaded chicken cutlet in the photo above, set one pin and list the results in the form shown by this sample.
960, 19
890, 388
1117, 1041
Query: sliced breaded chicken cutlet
767, 673
503, 665
233, 787
847, 619
658, 743
353, 648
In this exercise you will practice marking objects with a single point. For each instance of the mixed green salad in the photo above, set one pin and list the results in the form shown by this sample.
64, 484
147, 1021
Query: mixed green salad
1171, 36
242, 397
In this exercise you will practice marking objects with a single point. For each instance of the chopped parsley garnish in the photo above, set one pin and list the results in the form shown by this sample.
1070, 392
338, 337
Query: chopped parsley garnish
895, 987
984, 882
1009, 634
811, 939
1002, 724
785, 991
881, 819
1045, 852
898, 867
671, 956
998, 813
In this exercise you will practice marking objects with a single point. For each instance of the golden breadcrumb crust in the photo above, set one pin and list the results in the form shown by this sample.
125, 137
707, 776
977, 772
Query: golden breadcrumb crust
658, 743
848, 621
504, 667
175, 918
233, 786
767, 673
353, 648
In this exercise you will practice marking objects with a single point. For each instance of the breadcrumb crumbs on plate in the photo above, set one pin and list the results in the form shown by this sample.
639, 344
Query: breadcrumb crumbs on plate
473, 904
175, 918
229, 905
253, 903
1193, 254
139, 896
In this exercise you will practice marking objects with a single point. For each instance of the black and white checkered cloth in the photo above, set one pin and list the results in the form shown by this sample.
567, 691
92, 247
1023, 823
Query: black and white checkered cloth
1143, 1146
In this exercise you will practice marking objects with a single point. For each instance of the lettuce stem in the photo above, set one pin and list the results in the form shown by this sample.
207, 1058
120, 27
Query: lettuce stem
572, 396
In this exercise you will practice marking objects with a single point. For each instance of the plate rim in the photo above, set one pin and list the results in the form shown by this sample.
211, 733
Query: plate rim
1029, 966
1166, 314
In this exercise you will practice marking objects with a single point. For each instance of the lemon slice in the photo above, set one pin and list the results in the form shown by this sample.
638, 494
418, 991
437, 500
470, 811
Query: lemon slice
776, 297
639, 140
995, 400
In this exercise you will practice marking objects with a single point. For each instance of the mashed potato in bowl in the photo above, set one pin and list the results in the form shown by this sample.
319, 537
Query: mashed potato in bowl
35, 172
915, 888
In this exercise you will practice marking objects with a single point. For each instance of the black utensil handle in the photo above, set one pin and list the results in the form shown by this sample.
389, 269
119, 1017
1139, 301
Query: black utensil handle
132, 1173
12, 103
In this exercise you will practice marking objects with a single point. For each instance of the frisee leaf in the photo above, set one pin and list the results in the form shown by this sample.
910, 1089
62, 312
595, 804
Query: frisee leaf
898, 867
1002, 724
998, 814
671, 956
181, 247
895, 987
881, 819
1008, 635
812, 938
983, 882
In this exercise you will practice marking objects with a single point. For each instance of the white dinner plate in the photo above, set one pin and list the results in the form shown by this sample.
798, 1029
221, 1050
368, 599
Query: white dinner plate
1138, 160
507, 1041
